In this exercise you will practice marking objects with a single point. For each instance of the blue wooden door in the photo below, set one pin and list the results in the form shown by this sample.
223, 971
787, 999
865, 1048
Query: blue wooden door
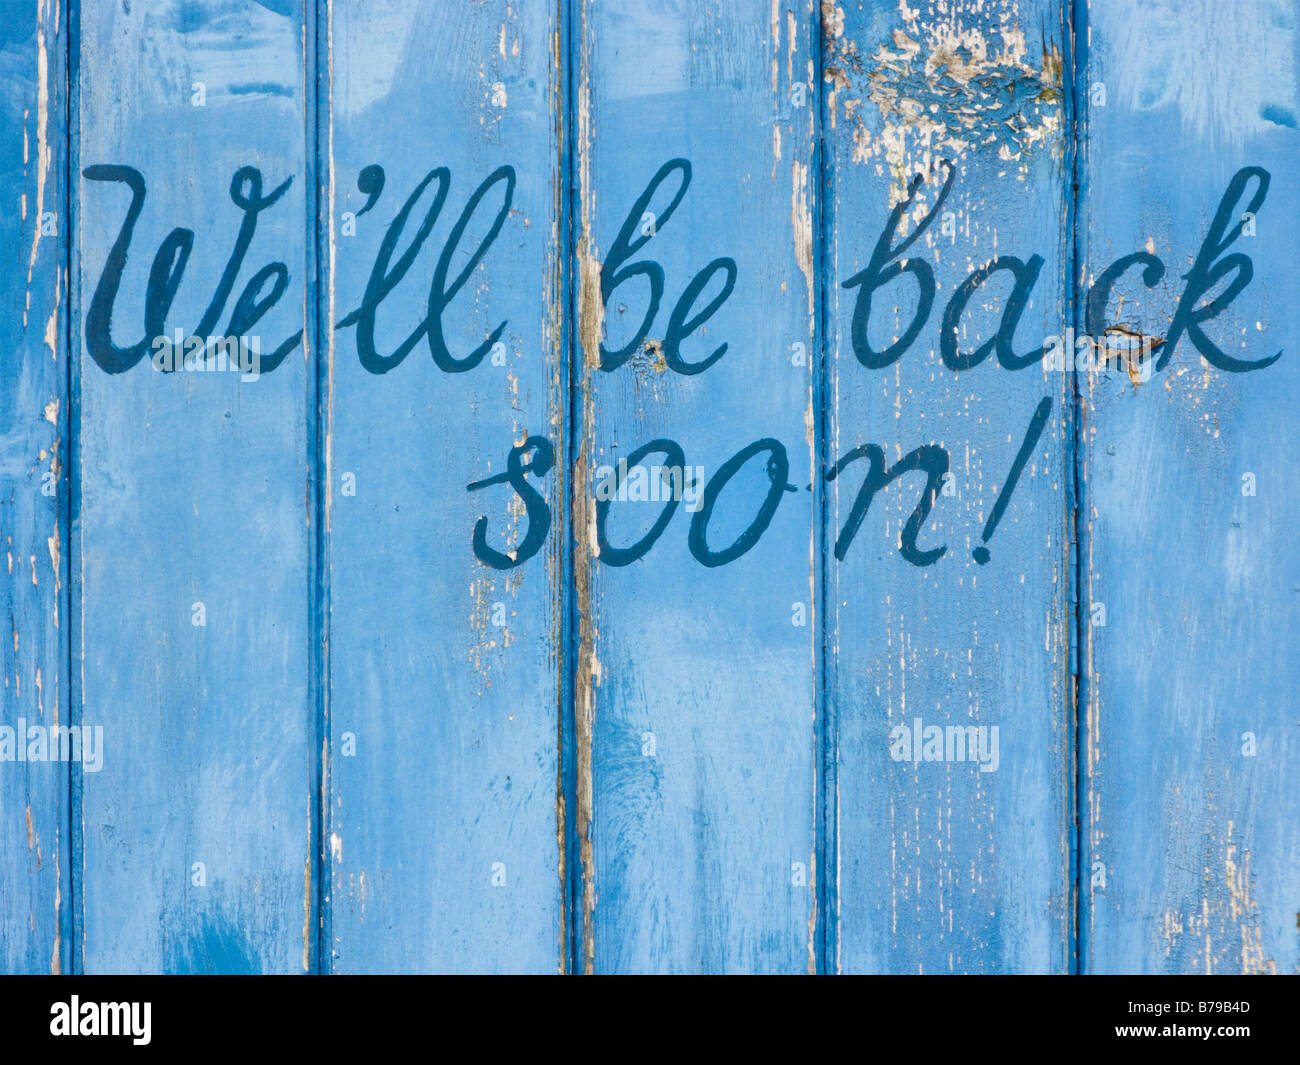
649, 486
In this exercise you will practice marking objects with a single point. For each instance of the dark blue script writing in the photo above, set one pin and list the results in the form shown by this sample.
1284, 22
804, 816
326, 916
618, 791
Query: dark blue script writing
1217, 276
265, 288
1212, 266
535, 456
1209, 269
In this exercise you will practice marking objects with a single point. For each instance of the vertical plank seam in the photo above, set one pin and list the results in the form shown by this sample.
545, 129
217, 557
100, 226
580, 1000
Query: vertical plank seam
581, 872
826, 725
1075, 34
72, 159
566, 783
315, 959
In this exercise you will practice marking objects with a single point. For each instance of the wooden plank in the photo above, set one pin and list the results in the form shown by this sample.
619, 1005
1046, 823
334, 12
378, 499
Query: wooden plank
375, 675
1191, 817
948, 860
445, 832
34, 866
193, 533
695, 695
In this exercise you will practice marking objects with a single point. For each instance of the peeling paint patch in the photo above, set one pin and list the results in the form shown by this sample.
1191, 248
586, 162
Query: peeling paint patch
801, 222
952, 80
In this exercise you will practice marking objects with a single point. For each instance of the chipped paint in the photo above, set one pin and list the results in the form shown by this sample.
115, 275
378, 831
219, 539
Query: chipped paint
953, 79
691, 849
587, 673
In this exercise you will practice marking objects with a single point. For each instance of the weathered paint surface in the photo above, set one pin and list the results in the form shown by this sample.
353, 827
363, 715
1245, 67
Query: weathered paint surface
943, 866
1191, 811
444, 833
191, 537
345, 732
696, 685
35, 878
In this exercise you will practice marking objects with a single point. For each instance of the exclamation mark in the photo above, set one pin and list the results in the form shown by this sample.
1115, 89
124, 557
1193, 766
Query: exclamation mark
1035, 430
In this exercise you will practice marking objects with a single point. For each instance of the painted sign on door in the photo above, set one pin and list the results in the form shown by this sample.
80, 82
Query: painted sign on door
625, 486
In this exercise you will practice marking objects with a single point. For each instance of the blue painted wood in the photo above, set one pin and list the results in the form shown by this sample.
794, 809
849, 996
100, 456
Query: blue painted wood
1190, 813
695, 690
952, 864
446, 836
192, 539
384, 684
35, 875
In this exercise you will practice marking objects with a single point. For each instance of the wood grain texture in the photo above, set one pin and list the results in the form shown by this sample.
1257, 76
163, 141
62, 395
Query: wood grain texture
1191, 815
35, 874
197, 838
948, 866
388, 682
696, 689
445, 833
